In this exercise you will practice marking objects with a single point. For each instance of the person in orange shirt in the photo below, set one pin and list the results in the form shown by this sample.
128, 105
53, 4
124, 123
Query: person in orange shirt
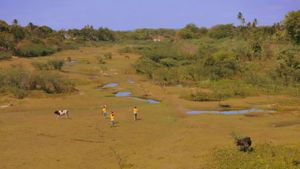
135, 113
104, 111
112, 119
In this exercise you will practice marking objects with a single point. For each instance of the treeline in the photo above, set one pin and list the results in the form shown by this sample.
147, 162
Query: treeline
33, 40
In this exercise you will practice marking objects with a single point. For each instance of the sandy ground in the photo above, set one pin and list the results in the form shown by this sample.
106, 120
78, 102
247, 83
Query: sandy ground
165, 137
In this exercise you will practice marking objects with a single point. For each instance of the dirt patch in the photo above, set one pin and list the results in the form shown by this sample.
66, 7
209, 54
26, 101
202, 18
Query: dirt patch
46, 135
86, 141
287, 123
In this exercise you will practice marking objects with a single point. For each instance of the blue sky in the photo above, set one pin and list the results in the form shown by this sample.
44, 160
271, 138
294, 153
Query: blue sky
132, 14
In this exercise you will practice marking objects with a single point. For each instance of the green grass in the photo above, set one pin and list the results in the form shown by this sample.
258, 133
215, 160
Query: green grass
263, 157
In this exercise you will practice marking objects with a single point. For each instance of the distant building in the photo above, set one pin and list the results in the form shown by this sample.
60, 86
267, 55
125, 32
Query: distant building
67, 36
158, 38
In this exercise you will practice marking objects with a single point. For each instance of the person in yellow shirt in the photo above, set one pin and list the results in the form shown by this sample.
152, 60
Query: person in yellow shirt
104, 111
112, 119
135, 113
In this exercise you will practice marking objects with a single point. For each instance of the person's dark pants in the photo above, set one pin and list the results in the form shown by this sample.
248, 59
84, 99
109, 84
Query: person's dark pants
135, 116
113, 123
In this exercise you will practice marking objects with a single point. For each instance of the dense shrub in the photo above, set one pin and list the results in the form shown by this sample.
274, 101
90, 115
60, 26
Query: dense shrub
201, 96
289, 66
20, 81
30, 49
222, 65
51, 82
146, 66
54, 64
5, 55
221, 31
292, 25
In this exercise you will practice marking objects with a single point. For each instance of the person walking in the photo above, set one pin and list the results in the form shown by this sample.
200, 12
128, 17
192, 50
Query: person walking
112, 119
135, 113
104, 111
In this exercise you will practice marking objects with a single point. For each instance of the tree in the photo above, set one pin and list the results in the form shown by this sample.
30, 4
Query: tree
6, 41
241, 18
105, 34
3, 26
42, 31
190, 31
222, 64
31, 26
292, 25
289, 66
15, 22
18, 32
254, 23
221, 31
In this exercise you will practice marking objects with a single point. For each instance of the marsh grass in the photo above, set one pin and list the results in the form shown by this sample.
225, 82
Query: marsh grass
264, 156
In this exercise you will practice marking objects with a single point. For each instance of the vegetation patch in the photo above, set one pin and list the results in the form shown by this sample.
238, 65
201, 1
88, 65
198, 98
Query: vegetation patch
19, 81
263, 156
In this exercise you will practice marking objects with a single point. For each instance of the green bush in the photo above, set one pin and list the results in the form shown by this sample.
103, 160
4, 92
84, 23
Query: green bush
19, 93
51, 82
5, 55
146, 66
201, 96
221, 31
20, 81
56, 64
263, 157
30, 49
222, 64
40, 66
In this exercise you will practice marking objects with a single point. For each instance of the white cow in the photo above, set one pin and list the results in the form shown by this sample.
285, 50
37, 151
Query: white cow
60, 113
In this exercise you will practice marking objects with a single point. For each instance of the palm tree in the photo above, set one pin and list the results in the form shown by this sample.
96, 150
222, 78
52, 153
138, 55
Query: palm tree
30, 24
254, 23
241, 18
15, 22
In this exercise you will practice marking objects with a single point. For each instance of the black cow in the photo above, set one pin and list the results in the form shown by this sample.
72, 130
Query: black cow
244, 144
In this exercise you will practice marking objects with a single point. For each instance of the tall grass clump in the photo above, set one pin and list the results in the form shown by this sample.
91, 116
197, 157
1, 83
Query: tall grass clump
54, 64
20, 81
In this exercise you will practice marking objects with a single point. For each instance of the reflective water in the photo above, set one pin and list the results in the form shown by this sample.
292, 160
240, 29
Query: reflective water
122, 94
110, 85
230, 112
150, 101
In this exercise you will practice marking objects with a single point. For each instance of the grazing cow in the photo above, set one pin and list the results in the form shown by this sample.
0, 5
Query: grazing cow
60, 113
244, 144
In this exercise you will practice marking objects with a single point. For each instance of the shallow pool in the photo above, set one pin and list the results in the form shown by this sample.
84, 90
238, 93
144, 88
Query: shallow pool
230, 112
110, 85
150, 101
122, 94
